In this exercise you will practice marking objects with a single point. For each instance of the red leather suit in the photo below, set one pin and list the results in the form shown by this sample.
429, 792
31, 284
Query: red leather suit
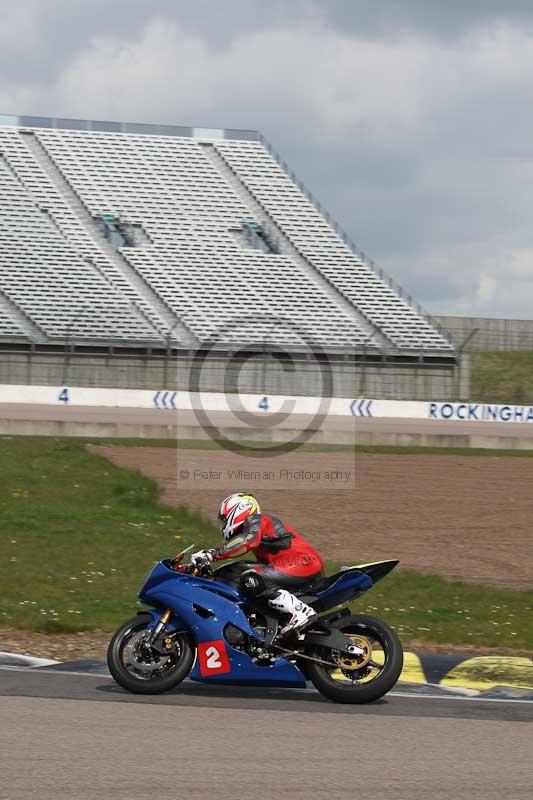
276, 545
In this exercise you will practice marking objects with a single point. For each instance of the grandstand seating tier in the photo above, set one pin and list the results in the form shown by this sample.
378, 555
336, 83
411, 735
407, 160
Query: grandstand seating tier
191, 271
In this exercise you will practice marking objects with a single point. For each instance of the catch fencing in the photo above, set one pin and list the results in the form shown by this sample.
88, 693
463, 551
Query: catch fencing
478, 333
264, 372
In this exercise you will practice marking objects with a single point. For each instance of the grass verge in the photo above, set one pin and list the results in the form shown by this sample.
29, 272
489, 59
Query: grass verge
208, 444
185, 444
78, 535
426, 608
502, 377
441, 451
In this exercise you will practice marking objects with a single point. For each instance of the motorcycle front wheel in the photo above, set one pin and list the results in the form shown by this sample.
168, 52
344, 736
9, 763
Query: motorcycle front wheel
364, 678
139, 668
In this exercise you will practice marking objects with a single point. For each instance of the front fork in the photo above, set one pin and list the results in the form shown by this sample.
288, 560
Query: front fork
156, 632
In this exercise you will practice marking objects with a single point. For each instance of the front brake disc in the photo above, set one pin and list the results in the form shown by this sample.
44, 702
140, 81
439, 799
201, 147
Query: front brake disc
141, 656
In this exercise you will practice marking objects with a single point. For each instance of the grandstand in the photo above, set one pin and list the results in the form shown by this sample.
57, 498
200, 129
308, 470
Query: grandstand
130, 237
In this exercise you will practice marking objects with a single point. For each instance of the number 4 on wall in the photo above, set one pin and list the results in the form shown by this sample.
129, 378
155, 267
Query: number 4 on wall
63, 396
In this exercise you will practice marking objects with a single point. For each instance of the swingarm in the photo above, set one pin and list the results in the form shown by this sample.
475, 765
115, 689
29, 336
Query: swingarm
333, 640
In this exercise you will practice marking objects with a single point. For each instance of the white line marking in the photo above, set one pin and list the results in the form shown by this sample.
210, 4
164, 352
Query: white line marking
412, 695
29, 661
34, 671
456, 697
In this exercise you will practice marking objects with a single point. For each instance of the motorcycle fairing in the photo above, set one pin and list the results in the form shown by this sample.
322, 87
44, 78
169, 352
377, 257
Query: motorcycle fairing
161, 573
245, 672
206, 606
347, 584
200, 607
378, 569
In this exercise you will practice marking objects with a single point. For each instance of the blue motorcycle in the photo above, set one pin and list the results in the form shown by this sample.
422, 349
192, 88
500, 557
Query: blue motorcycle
200, 626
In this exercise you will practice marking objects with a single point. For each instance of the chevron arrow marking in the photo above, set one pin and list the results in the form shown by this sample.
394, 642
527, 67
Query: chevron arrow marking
361, 408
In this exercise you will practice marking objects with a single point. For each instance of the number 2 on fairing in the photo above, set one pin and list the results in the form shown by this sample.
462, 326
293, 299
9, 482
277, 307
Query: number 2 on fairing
212, 658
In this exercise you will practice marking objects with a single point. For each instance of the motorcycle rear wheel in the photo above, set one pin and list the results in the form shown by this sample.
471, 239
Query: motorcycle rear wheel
345, 684
162, 673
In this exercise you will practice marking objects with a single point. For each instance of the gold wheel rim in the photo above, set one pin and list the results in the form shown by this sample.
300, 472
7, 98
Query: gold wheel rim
351, 663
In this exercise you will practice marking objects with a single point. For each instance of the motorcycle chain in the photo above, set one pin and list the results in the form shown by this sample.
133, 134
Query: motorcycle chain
307, 658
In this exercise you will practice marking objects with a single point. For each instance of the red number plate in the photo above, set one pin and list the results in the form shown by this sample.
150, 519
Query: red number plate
213, 658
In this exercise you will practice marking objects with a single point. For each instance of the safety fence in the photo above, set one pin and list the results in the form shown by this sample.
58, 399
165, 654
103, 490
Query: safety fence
478, 333
352, 375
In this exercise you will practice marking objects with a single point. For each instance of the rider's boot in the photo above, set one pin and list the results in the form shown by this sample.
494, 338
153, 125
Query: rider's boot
287, 603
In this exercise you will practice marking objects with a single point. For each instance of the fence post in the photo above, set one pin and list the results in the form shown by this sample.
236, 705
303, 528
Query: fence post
459, 363
66, 363
167, 359
29, 366
362, 382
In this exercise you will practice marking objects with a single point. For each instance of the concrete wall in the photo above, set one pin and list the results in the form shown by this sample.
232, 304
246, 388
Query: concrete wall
256, 376
324, 436
490, 334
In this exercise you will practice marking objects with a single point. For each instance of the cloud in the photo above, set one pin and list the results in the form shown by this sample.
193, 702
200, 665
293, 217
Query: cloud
412, 128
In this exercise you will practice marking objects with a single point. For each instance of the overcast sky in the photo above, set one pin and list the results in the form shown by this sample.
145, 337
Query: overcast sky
411, 121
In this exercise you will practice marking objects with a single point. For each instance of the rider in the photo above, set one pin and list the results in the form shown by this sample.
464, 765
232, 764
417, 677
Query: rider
286, 560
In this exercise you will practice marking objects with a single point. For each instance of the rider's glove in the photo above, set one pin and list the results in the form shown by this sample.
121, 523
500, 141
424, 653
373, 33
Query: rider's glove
202, 557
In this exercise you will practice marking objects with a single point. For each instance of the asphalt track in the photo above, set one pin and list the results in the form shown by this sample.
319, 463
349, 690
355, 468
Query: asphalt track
155, 416
67, 735
225, 419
